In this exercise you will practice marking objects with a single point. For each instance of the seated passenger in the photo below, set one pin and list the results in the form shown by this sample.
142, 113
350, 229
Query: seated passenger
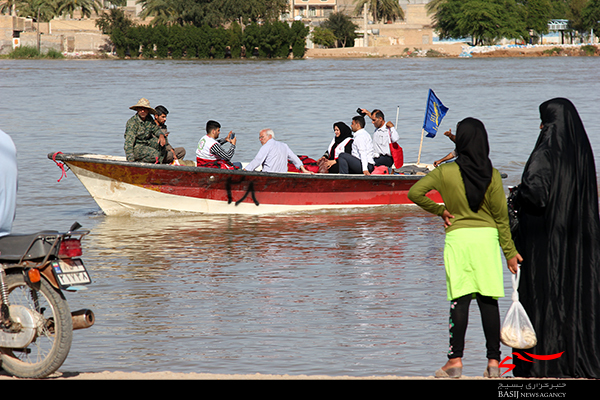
144, 141
341, 143
210, 153
173, 154
361, 159
273, 156
385, 134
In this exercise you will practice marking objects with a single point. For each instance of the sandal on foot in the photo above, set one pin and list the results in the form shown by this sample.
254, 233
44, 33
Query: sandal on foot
454, 372
492, 372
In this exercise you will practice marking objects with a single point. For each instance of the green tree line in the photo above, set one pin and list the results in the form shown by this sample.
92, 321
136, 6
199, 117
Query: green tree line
270, 39
213, 13
487, 21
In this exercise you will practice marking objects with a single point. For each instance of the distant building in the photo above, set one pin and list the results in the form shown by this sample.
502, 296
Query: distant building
132, 9
415, 29
346, 6
312, 8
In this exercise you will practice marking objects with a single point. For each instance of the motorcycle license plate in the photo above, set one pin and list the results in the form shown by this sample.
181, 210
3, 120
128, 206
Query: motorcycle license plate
70, 272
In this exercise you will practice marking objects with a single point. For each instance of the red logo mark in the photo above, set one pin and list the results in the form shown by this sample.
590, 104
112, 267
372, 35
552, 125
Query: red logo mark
510, 367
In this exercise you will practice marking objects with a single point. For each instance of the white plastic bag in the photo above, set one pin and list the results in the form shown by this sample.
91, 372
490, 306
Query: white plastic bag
517, 331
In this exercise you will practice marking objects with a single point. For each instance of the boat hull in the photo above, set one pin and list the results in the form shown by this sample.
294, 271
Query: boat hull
121, 187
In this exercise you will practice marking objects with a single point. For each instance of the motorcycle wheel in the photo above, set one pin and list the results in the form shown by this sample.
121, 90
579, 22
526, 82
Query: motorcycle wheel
52, 343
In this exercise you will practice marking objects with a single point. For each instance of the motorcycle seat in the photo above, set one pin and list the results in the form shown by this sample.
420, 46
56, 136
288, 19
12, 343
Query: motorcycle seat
37, 245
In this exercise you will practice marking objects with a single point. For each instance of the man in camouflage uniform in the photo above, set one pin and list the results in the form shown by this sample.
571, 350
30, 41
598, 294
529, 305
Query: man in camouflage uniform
144, 141
173, 154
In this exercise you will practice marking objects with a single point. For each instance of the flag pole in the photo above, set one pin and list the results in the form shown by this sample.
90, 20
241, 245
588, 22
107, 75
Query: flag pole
397, 112
420, 147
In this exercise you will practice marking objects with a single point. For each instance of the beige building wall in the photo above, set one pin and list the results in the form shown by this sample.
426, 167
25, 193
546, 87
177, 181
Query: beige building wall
64, 35
8, 24
132, 9
416, 14
346, 6
415, 30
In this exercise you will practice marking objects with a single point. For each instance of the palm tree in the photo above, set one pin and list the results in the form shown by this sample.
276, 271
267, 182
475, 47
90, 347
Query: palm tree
387, 10
433, 6
7, 6
342, 27
85, 6
163, 11
45, 10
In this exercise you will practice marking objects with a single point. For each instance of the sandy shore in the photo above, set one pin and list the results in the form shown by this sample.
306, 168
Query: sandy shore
167, 375
451, 50
153, 376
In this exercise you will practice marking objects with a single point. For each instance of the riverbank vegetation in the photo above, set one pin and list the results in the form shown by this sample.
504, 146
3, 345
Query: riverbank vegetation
488, 21
199, 29
25, 52
183, 28
584, 50
270, 39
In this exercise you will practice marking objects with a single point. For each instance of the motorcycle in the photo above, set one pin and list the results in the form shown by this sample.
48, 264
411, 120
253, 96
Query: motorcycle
36, 325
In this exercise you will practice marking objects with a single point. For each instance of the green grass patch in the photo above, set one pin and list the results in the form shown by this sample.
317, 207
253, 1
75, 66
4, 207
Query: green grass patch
553, 51
588, 49
52, 53
29, 52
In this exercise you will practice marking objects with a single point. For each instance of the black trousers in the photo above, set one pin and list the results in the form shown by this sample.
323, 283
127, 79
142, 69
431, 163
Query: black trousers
351, 165
459, 319
384, 159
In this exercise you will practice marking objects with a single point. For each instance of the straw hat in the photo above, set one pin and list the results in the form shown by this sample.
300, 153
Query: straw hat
143, 103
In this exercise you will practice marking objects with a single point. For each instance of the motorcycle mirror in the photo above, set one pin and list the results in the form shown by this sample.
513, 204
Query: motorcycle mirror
75, 226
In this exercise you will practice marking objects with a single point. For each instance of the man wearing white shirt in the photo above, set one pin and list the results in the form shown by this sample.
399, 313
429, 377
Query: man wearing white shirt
273, 156
361, 159
385, 134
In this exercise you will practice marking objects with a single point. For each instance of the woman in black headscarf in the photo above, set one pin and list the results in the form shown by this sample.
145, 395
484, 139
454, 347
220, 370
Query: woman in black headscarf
341, 143
559, 238
476, 221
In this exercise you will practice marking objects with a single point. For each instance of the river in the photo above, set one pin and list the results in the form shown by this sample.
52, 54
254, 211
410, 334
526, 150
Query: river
357, 292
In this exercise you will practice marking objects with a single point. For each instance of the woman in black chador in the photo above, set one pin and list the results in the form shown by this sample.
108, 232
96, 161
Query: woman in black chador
559, 238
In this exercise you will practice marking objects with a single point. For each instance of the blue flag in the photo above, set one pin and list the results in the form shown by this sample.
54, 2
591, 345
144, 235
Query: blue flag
433, 114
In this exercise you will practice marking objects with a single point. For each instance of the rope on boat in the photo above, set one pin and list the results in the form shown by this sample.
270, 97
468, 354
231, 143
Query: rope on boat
61, 165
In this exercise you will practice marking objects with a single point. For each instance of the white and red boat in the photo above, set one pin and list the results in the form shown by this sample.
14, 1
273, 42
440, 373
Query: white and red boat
122, 187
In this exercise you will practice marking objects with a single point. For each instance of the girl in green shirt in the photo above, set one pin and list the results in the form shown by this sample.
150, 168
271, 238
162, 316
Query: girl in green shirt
476, 221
